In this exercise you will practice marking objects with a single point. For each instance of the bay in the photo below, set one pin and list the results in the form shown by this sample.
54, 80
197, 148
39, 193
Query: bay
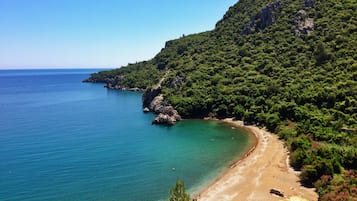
61, 139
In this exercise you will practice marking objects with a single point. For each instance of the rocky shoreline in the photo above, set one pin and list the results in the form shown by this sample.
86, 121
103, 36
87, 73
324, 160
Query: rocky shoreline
152, 100
110, 84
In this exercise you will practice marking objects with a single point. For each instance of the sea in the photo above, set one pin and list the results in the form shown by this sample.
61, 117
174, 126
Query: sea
64, 140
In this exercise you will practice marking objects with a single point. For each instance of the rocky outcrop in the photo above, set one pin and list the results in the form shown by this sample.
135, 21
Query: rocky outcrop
111, 83
90, 79
164, 119
98, 80
176, 82
304, 24
154, 101
149, 96
263, 19
305, 27
166, 113
118, 87
160, 107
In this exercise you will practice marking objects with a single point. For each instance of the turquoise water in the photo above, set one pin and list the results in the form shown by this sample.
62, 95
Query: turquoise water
61, 139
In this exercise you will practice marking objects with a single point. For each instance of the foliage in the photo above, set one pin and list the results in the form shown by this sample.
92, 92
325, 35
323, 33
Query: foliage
178, 192
304, 88
139, 75
339, 187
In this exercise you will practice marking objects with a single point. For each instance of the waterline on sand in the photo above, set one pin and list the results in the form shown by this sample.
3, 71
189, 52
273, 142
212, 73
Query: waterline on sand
262, 168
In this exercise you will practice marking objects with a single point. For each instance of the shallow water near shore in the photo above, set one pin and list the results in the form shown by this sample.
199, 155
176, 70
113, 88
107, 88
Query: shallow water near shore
61, 139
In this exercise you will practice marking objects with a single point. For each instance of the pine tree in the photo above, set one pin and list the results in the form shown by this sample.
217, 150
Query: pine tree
178, 192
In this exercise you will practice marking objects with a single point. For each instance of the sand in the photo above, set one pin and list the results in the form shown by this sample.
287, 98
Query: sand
264, 167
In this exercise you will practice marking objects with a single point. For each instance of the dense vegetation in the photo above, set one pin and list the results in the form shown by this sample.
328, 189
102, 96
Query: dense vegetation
178, 192
301, 86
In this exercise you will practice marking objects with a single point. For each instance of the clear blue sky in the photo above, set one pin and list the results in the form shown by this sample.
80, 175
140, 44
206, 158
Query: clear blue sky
97, 33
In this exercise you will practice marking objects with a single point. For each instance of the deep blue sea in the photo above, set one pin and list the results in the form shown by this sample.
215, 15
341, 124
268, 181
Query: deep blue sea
64, 140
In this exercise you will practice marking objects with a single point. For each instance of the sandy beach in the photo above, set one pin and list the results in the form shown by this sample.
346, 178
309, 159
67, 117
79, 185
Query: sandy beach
266, 166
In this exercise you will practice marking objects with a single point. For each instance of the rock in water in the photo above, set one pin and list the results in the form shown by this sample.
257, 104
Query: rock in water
166, 113
146, 110
164, 119
154, 101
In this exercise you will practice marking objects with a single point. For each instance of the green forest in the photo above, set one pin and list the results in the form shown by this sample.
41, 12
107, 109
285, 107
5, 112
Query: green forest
289, 66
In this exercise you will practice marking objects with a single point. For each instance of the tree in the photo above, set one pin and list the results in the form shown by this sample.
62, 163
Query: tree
322, 54
178, 192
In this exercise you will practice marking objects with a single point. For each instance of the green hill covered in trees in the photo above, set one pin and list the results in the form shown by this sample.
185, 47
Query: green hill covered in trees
288, 65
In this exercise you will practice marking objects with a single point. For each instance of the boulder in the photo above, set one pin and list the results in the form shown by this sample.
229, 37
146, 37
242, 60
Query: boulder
164, 119
146, 110
166, 113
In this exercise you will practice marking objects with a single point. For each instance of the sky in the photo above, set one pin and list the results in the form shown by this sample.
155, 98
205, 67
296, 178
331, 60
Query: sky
97, 33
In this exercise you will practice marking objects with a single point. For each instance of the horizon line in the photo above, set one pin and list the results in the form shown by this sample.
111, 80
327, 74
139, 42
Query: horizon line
56, 67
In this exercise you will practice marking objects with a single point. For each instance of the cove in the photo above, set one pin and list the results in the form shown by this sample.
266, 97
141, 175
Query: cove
61, 139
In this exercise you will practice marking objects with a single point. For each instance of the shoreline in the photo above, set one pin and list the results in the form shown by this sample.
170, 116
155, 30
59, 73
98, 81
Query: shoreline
263, 167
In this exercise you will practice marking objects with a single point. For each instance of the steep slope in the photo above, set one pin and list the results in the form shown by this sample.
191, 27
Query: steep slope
289, 65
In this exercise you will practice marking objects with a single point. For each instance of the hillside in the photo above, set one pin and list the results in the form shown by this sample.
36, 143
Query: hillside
288, 65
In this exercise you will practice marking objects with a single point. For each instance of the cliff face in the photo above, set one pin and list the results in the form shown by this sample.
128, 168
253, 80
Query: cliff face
265, 17
154, 101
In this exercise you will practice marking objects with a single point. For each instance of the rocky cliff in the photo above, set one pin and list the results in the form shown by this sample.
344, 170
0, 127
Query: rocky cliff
265, 17
153, 101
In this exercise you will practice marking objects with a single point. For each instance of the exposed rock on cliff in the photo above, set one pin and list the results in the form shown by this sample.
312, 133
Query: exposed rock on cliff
154, 101
177, 81
158, 106
166, 113
263, 19
149, 96
113, 86
304, 24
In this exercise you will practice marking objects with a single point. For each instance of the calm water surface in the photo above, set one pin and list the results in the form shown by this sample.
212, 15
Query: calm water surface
61, 139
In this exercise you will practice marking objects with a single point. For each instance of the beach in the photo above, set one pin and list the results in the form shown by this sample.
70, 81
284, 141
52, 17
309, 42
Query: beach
264, 167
